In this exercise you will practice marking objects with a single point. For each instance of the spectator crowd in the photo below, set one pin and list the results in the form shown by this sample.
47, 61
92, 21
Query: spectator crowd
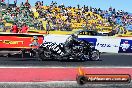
60, 17
19, 16
68, 18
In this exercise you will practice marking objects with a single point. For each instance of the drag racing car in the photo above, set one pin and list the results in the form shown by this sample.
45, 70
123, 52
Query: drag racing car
72, 48
93, 33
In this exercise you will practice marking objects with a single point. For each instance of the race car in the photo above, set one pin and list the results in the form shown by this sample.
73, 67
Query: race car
93, 33
72, 48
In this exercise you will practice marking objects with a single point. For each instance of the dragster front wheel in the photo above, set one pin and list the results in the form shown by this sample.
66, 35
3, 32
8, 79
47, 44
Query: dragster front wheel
94, 55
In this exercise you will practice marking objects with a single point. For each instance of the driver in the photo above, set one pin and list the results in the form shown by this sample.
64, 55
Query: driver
73, 39
70, 42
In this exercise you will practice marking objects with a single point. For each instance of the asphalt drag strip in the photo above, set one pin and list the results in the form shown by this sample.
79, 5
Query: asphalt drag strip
61, 84
32, 73
107, 60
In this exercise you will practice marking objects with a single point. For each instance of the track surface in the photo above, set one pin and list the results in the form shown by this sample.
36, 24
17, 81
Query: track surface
69, 84
115, 60
106, 60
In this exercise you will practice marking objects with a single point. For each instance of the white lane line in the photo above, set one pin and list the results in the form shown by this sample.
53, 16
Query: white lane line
38, 82
67, 67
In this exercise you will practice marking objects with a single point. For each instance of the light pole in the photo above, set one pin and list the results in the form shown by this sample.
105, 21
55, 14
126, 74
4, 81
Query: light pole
8, 3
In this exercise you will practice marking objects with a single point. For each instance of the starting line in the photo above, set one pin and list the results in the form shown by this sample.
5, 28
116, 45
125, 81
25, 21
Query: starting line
19, 74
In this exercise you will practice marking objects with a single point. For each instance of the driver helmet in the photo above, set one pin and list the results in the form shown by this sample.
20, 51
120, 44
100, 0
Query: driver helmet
35, 38
74, 36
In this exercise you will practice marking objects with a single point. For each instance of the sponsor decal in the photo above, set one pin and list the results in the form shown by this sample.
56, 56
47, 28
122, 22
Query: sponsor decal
125, 46
7, 41
106, 45
11, 42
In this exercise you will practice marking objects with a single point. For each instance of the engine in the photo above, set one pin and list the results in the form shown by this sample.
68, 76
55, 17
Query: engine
77, 50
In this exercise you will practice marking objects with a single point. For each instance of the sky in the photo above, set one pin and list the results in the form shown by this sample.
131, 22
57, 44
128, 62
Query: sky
125, 5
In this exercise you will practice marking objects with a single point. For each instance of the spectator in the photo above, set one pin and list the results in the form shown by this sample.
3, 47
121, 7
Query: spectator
14, 28
24, 28
61, 16
41, 25
1, 24
48, 27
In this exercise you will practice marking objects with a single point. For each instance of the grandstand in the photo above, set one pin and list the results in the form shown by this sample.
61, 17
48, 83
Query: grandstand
63, 18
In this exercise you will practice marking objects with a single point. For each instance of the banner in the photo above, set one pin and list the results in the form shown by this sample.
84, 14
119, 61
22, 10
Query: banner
55, 38
125, 46
108, 45
102, 43
24, 41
